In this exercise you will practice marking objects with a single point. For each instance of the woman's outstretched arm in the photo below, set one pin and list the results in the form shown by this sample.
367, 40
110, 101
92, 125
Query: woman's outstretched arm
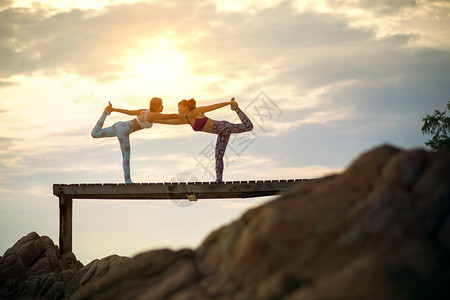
124, 111
172, 121
129, 112
156, 116
204, 109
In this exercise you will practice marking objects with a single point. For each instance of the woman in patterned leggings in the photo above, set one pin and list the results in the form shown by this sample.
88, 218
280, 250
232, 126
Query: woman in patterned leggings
122, 130
195, 116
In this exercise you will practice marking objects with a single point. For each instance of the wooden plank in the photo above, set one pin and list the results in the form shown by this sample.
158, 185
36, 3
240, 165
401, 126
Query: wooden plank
176, 190
165, 190
65, 223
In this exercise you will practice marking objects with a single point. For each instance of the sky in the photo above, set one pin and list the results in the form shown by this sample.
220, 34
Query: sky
322, 81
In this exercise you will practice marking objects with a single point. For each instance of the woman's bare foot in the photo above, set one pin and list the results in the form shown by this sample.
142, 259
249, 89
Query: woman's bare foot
233, 104
109, 108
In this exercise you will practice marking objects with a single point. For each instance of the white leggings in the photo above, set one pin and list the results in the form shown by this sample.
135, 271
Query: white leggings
122, 131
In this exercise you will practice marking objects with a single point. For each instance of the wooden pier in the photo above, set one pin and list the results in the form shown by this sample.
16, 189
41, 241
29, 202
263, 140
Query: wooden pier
190, 191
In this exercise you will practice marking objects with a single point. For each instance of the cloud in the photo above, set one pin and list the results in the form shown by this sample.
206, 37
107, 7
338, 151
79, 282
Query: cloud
35, 41
322, 71
5, 3
383, 7
427, 20
232, 45
4, 84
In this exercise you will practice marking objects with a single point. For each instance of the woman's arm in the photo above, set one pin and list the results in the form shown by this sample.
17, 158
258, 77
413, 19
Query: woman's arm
204, 109
129, 112
172, 121
156, 116
110, 108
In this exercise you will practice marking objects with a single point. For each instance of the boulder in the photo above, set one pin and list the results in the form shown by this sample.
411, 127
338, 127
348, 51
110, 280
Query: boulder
379, 230
31, 256
61, 285
34, 268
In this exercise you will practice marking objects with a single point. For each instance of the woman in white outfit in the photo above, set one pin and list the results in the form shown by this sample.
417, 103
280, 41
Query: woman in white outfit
122, 129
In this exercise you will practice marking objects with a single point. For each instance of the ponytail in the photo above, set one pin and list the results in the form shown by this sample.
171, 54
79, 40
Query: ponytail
191, 104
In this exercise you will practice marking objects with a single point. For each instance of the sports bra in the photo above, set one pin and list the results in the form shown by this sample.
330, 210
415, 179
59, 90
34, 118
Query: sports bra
198, 123
146, 123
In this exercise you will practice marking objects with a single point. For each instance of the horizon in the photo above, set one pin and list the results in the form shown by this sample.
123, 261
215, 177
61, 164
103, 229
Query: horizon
322, 81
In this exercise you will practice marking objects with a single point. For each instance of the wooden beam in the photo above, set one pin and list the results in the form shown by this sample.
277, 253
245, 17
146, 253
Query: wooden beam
176, 190
168, 190
65, 223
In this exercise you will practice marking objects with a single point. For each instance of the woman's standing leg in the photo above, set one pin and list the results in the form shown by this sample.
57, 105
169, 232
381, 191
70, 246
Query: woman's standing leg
221, 146
123, 130
222, 129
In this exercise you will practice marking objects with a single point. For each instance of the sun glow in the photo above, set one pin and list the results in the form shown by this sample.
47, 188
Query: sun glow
158, 65
158, 68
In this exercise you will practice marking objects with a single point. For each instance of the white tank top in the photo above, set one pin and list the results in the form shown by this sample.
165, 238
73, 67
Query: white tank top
145, 123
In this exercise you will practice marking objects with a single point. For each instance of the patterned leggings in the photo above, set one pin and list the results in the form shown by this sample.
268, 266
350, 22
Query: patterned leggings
122, 131
223, 129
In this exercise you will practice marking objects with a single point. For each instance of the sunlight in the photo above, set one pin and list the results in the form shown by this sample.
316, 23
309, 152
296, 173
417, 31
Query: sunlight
158, 65
157, 68
243, 5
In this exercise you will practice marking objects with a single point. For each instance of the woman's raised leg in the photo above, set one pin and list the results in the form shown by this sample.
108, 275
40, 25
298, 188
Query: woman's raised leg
98, 131
246, 125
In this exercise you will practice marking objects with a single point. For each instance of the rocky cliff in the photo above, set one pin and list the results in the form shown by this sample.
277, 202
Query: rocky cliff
379, 230
34, 269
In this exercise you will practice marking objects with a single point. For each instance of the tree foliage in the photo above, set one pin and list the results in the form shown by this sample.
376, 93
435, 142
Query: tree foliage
438, 125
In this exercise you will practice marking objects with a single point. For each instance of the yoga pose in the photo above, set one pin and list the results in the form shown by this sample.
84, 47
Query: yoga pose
195, 116
122, 129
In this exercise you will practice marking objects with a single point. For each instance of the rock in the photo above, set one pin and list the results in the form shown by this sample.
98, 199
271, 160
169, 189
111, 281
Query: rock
171, 270
364, 173
34, 268
379, 230
62, 285
98, 268
31, 256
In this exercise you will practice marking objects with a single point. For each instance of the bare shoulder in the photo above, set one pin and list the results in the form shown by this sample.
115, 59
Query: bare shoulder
196, 113
152, 115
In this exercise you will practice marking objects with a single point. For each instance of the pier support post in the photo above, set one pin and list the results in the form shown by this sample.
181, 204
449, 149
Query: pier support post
65, 223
